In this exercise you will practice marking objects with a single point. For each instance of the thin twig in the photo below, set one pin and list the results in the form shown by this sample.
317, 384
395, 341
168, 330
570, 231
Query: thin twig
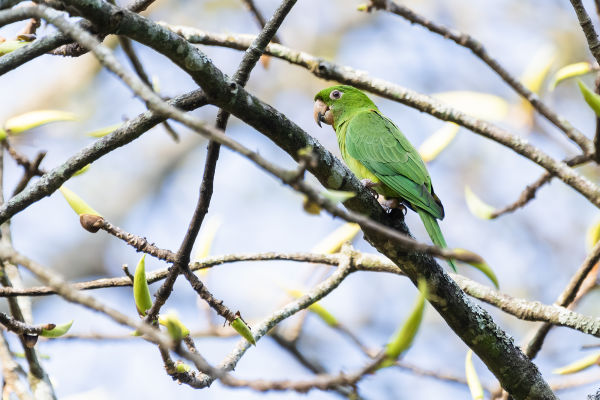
588, 28
360, 79
467, 41
564, 299
530, 191
140, 71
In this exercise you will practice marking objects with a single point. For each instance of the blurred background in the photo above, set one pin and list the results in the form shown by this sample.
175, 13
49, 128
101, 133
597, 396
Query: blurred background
150, 188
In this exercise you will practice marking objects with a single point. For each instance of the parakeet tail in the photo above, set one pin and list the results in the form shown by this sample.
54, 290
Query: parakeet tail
435, 232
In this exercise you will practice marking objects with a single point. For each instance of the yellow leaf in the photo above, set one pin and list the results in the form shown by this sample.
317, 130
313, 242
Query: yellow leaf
29, 120
478, 207
141, 291
538, 67
333, 242
472, 378
316, 308
207, 236
593, 235
205, 240
337, 196
57, 331
310, 206
481, 265
479, 105
77, 203
438, 141
10, 46
104, 131
570, 71
404, 336
579, 365
533, 78
82, 170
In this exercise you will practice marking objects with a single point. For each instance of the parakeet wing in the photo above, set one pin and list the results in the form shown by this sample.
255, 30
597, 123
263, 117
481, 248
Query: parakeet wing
379, 145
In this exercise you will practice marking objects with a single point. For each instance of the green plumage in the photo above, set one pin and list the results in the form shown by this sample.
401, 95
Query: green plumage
375, 149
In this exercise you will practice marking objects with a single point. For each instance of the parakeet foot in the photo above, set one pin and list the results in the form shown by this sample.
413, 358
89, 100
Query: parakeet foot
392, 204
369, 184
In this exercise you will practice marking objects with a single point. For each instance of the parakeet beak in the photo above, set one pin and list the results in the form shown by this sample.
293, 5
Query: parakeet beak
322, 113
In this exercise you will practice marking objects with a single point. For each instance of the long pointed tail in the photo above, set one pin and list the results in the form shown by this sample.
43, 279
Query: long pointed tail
435, 233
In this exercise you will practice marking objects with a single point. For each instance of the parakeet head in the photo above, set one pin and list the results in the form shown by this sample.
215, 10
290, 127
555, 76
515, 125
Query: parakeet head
337, 103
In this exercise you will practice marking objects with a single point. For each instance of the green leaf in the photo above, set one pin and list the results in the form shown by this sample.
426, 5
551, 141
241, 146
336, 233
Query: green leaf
591, 98
182, 368
176, 329
337, 196
333, 242
57, 331
404, 336
481, 265
33, 119
316, 308
477, 206
570, 71
579, 365
10, 46
240, 326
472, 378
77, 203
438, 141
141, 292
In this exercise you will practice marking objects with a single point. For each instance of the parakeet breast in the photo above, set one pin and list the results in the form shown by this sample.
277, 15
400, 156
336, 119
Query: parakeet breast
359, 168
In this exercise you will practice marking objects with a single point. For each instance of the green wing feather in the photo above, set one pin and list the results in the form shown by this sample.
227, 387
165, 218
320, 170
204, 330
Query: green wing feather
379, 145
375, 142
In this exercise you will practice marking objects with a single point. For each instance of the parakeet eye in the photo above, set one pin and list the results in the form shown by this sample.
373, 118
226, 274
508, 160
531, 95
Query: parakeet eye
336, 94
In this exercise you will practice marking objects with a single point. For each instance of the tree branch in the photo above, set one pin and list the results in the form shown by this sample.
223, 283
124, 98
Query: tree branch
467, 41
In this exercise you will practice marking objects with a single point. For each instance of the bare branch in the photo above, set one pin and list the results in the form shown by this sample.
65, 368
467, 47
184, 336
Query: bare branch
467, 41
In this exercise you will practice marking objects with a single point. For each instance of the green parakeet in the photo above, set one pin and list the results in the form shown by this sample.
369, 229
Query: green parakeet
379, 154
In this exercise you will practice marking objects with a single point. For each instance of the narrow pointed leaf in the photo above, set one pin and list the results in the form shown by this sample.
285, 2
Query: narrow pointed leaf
176, 329
579, 365
477, 206
207, 236
333, 242
591, 98
317, 309
240, 326
438, 141
404, 336
538, 67
482, 266
592, 236
77, 203
141, 291
472, 378
570, 71
82, 170
337, 196
104, 131
29, 120
57, 331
